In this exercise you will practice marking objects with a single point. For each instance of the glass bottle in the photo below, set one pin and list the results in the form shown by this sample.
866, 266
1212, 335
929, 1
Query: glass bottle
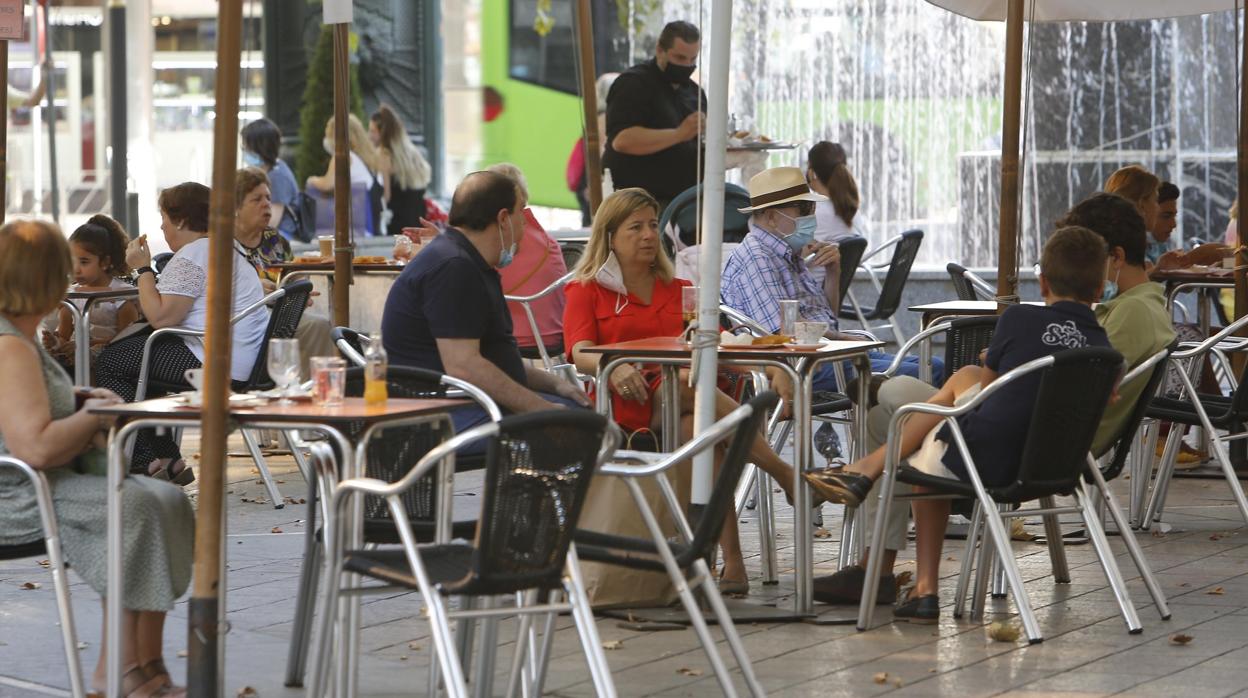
375, 373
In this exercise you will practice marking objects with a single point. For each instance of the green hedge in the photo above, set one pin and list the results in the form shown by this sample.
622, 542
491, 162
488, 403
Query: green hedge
318, 106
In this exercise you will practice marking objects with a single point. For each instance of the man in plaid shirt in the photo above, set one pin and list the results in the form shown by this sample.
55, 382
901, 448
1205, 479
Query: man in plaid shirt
768, 267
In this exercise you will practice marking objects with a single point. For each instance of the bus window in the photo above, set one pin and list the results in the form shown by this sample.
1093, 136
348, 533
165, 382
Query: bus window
548, 61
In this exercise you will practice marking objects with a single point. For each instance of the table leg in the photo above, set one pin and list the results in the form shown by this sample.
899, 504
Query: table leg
803, 538
113, 599
82, 343
671, 407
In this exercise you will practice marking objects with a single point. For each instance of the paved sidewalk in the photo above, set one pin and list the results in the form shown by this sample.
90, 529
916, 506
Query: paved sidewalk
1202, 562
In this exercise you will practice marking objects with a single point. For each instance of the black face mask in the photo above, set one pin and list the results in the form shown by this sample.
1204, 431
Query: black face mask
679, 73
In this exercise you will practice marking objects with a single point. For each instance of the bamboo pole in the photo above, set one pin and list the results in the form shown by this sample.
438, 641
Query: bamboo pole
1007, 259
343, 251
205, 644
589, 102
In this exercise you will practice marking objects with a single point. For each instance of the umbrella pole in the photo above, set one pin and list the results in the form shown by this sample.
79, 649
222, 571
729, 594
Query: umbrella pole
1241, 164
50, 98
1007, 260
589, 92
203, 639
342, 180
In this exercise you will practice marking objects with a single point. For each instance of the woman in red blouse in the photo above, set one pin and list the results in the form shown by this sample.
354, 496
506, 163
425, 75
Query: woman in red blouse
625, 289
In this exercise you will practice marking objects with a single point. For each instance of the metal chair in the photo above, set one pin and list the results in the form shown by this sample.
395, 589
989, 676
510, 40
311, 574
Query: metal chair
538, 472
288, 304
852, 249
905, 250
389, 460
684, 559
682, 214
539, 351
1074, 388
50, 545
968, 285
1210, 412
351, 344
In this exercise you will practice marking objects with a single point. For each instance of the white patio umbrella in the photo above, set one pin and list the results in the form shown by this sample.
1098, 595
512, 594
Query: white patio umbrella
1014, 12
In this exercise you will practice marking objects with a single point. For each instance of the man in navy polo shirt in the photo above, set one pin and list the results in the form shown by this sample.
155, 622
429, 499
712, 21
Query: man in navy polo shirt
446, 311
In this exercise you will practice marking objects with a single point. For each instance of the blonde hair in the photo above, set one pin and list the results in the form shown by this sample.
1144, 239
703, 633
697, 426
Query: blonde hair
1133, 183
35, 266
357, 138
616, 209
513, 173
410, 168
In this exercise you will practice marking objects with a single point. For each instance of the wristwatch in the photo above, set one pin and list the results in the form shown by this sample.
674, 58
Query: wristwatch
142, 270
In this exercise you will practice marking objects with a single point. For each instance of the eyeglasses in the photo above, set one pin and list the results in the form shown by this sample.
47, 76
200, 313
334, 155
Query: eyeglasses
805, 208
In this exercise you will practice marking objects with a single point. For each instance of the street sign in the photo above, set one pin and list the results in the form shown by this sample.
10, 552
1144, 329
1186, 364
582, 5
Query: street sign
336, 12
12, 20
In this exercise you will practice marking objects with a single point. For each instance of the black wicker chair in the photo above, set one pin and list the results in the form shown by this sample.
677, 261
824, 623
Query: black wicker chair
537, 476
905, 251
351, 344
685, 560
49, 545
1074, 387
967, 285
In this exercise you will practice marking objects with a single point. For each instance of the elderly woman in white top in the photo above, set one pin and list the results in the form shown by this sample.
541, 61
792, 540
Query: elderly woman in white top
179, 299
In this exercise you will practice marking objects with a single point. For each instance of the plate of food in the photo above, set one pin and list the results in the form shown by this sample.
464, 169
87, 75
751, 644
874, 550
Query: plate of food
727, 340
370, 259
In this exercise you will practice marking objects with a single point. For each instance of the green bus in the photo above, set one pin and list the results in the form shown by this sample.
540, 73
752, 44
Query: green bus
531, 91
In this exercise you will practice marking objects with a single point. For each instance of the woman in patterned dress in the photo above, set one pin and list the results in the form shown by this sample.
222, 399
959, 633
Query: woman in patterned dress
40, 425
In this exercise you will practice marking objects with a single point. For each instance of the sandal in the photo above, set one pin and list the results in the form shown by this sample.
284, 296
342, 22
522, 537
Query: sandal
136, 682
733, 588
181, 477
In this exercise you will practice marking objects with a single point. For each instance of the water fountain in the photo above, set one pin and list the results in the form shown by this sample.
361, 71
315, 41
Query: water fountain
913, 92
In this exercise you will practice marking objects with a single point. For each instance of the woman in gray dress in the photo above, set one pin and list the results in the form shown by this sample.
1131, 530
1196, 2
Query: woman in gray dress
40, 425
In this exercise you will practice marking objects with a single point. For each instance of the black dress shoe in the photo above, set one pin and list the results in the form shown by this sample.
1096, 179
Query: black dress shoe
845, 587
924, 610
839, 487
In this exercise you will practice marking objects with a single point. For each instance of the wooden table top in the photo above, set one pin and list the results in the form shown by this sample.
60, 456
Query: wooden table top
329, 266
1197, 274
353, 409
103, 294
666, 347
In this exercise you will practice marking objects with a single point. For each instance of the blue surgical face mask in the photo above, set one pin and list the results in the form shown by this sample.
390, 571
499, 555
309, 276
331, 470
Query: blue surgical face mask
507, 254
803, 234
250, 159
1111, 286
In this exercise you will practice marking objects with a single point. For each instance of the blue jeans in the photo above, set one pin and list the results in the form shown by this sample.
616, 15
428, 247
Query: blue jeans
465, 418
825, 377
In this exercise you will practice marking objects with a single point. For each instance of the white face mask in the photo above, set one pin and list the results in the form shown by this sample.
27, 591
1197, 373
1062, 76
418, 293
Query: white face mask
611, 277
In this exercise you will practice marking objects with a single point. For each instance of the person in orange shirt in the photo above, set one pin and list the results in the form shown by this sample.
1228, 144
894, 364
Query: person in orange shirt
625, 288
538, 264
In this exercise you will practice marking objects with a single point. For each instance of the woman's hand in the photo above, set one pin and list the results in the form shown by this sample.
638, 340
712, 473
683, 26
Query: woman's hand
628, 383
138, 254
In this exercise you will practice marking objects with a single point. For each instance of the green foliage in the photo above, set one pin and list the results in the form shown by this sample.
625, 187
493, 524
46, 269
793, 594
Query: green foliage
318, 106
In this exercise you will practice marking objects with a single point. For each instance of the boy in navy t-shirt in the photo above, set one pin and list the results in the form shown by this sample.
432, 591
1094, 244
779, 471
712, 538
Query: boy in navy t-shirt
1072, 273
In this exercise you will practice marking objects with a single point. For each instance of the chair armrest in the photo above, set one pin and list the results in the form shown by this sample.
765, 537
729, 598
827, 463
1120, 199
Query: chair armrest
992, 388
1145, 368
262, 303
1212, 341
717, 432
140, 392
385, 489
554, 286
891, 242
476, 394
912, 343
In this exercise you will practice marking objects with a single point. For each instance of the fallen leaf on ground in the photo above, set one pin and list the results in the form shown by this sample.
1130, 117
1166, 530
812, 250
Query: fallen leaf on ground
1157, 533
897, 683
82, 645
686, 671
275, 529
45, 563
613, 644
183, 653
1215, 536
247, 692
931, 671
1216, 591
1185, 584
402, 657
1180, 639
951, 559
1003, 632
413, 645
32, 585
254, 471
881, 677
822, 533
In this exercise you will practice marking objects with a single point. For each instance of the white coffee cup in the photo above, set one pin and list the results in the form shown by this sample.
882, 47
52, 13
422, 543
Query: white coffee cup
1228, 262
809, 332
195, 376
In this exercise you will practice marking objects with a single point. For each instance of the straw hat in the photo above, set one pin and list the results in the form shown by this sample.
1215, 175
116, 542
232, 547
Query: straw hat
778, 186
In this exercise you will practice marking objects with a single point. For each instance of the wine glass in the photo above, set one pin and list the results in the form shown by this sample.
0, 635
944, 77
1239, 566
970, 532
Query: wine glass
283, 362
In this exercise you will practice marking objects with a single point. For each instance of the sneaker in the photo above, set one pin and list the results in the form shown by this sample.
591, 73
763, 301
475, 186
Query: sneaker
845, 587
1188, 458
839, 487
923, 610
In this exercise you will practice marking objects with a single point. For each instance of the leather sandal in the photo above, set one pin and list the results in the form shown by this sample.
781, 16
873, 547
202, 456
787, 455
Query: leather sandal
731, 587
136, 682
182, 477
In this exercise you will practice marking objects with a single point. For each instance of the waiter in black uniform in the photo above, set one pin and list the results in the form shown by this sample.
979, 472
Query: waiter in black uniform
654, 114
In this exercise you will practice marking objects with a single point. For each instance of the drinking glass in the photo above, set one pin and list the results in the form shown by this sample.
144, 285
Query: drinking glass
689, 304
788, 317
283, 363
329, 380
